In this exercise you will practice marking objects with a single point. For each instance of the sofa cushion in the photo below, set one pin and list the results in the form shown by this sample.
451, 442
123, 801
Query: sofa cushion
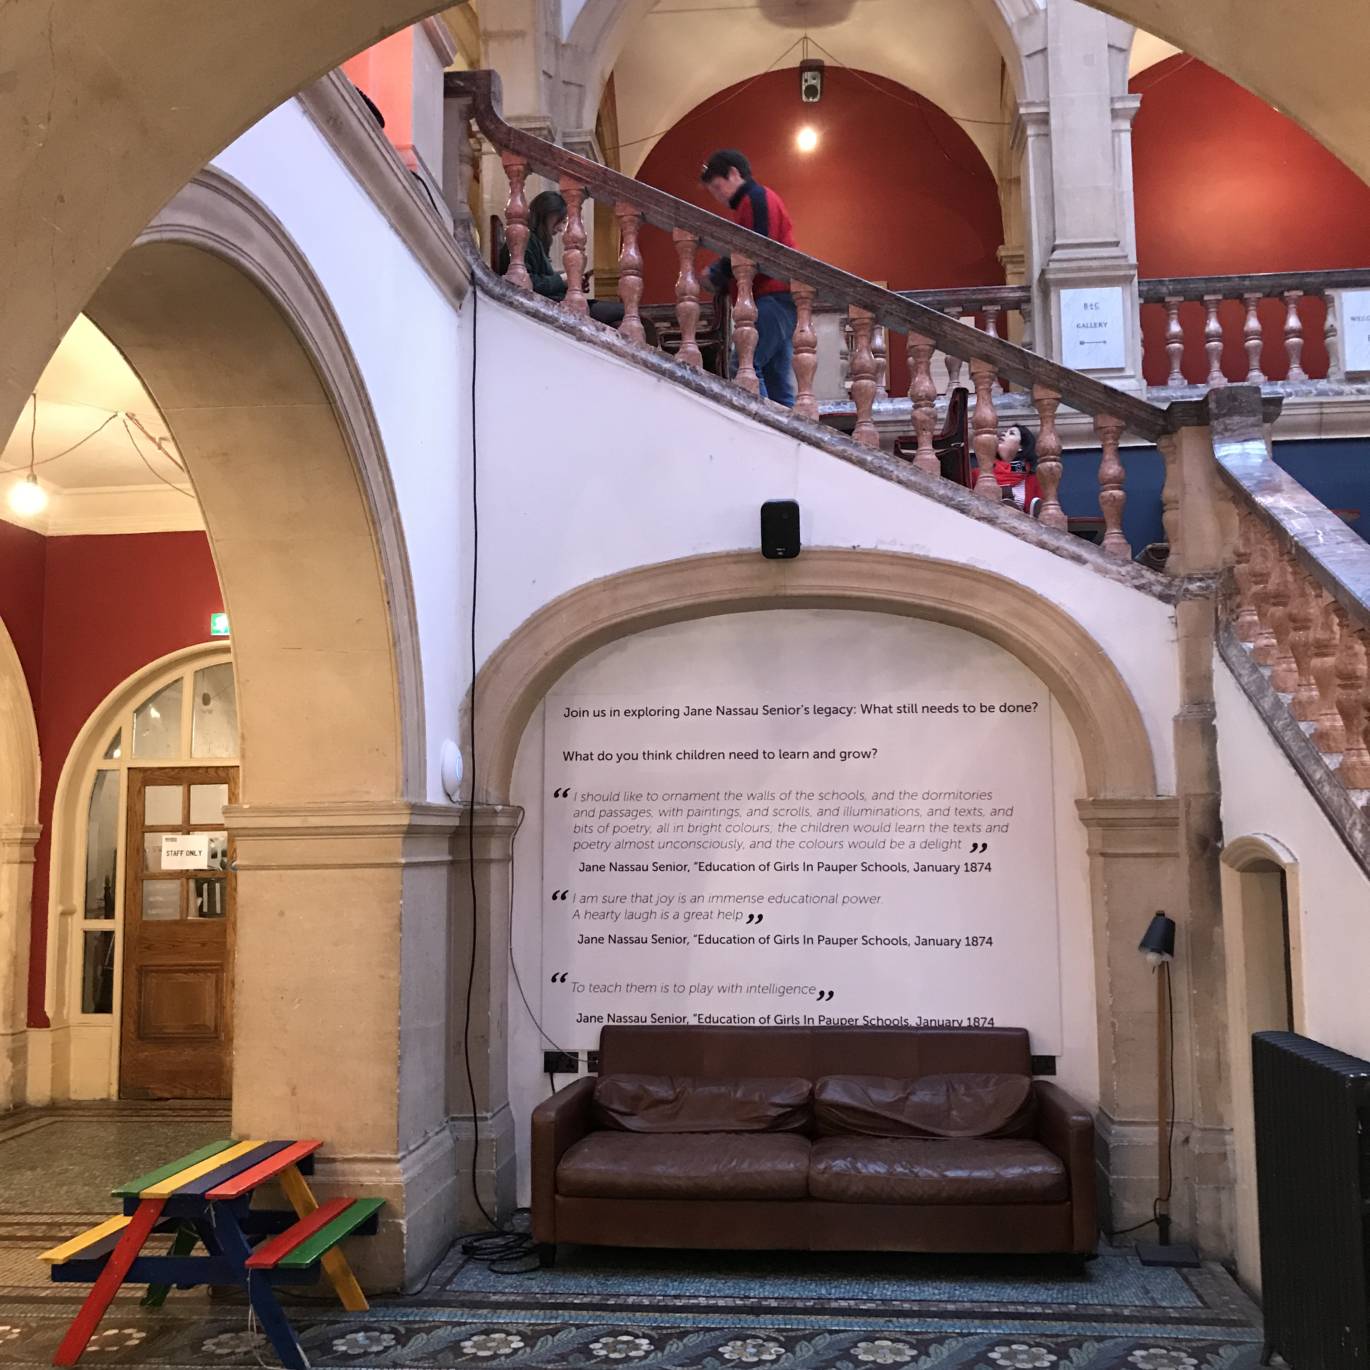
964, 1105
889, 1170
682, 1103
624, 1165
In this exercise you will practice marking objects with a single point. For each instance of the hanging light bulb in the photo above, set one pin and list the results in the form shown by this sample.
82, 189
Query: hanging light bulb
806, 139
27, 497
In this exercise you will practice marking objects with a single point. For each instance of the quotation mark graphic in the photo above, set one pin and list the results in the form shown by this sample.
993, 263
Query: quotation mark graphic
561, 792
825, 994
979, 846
561, 894
560, 977
756, 917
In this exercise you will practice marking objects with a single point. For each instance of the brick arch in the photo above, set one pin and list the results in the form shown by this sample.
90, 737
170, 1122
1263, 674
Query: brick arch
1108, 725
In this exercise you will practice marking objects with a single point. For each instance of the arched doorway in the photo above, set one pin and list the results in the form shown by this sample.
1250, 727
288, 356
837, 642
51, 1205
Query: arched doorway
140, 972
1261, 941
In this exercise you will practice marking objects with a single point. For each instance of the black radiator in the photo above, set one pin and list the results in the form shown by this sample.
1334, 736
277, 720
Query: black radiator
1313, 1186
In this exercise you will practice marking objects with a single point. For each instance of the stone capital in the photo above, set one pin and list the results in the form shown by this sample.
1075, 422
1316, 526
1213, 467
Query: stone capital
1132, 827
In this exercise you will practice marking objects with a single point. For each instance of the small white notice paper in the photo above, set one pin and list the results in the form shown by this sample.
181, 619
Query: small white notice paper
185, 851
1354, 315
1092, 336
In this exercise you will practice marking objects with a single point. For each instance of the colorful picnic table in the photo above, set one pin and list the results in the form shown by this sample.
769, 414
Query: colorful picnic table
206, 1198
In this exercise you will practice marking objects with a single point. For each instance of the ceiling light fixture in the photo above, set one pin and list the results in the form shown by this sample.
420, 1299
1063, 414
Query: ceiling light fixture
27, 497
806, 139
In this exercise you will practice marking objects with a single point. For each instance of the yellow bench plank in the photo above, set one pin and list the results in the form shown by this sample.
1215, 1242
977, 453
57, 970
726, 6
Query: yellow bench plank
164, 1189
59, 1255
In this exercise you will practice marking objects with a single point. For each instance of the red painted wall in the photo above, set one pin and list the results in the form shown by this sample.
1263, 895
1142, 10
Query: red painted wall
895, 191
1226, 185
106, 607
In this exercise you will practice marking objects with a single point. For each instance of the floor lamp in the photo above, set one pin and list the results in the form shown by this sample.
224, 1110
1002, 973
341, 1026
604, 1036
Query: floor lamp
1158, 945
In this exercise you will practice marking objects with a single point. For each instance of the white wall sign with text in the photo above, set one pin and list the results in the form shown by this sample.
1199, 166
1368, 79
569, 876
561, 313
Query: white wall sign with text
1093, 330
820, 831
185, 851
1353, 324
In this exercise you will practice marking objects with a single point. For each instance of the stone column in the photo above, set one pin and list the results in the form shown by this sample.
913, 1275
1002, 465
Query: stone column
341, 1008
1077, 161
478, 1040
17, 842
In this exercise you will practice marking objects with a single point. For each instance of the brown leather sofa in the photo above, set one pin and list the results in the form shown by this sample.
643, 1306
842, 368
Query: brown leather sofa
815, 1139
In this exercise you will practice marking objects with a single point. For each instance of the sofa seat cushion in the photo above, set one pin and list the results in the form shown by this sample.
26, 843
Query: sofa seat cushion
898, 1170
697, 1165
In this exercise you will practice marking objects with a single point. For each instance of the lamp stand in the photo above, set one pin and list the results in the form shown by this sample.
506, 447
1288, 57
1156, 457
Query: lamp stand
1162, 1251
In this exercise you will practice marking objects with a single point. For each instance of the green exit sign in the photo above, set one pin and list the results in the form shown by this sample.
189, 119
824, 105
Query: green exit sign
218, 625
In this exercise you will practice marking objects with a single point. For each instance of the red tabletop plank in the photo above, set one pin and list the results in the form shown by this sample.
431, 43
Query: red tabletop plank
269, 1252
265, 1170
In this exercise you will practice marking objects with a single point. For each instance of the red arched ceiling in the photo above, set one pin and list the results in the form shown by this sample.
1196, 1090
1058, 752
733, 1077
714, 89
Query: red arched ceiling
1226, 185
894, 192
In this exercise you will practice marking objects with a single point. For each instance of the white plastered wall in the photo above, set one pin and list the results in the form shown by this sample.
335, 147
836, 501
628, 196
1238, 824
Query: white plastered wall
1264, 796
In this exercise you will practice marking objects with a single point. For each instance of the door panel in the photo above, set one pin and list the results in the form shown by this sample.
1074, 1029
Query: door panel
176, 1040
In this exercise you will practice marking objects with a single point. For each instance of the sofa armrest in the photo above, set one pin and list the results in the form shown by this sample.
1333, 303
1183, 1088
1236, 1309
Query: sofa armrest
1067, 1128
558, 1122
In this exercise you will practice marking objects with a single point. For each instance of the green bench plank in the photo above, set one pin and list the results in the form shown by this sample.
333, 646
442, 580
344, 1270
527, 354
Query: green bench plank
329, 1236
133, 1188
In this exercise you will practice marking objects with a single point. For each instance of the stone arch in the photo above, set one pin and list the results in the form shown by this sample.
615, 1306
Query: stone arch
217, 310
1112, 737
19, 771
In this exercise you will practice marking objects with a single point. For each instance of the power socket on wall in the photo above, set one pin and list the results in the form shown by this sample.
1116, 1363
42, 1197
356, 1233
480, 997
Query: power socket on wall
561, 1062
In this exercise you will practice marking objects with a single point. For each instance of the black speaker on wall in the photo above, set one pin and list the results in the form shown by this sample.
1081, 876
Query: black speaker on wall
780, 529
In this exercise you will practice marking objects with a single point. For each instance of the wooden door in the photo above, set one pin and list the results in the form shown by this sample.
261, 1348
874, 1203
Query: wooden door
176, 1025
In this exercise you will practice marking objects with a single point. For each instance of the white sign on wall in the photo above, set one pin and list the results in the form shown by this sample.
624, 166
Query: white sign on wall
1093, 335
1353, 314
185, 851
828, 837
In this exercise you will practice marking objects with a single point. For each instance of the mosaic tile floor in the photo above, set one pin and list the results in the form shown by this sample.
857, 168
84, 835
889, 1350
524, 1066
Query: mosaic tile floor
663, 1310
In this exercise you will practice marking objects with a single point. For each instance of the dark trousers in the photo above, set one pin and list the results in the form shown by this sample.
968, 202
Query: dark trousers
774, 360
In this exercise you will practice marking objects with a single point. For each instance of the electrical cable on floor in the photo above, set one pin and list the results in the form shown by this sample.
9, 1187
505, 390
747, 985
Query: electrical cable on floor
505, 1250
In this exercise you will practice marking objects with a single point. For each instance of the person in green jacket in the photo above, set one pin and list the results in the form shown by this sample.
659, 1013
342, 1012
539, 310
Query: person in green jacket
546, 222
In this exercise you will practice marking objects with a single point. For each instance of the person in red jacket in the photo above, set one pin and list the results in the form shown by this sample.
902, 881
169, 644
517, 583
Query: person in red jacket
728, 177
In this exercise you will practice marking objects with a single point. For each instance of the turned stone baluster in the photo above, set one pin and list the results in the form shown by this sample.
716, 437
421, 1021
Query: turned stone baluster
923, 394
1329, 736
1284, 671
1213, 340
992, 312
744, 325
1247, 624
630, 272
516, 220
985, 426
863, 370
1112, 496
1302, 613
1045, 402
953, 363
1263, 649
573, 241
880, 349
1293, 335
805, 351
1331, 336
1174, 340
1251, 335
1354, 769
1168, 445
687, 297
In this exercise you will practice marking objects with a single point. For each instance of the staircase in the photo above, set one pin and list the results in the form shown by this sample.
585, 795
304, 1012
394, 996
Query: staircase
1290, 580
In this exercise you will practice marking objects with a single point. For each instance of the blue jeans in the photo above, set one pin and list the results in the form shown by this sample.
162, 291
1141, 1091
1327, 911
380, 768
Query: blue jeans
774, 361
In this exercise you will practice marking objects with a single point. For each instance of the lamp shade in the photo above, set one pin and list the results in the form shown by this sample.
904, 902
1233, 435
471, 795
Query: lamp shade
1158, 942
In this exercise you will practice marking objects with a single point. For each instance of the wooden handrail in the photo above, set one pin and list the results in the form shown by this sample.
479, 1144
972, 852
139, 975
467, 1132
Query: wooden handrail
482, 92
1155, 290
